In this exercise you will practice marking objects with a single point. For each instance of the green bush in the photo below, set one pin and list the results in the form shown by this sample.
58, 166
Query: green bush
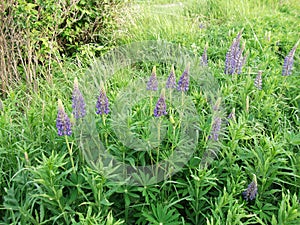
35, 34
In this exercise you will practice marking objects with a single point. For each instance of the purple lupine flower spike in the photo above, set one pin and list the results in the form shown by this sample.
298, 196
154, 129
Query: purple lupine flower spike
183, 83
160, 107
78, 103
234, 57
216, 127
171, 82
251, 192
63, 123
102, 104
289, 61
152, 84
258, 80
240, 59
204, 61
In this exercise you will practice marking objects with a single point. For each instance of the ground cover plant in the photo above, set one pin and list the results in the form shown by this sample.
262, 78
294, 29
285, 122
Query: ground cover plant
238, 72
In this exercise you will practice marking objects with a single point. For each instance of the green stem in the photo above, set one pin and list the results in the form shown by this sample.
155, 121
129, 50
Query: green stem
158, 140
170, 93
105, 134
151, 104
70, 152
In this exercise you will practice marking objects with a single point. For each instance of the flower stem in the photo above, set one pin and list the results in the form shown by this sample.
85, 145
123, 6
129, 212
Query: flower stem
105, 134
151, 104
158, 140
170, 93
70, 152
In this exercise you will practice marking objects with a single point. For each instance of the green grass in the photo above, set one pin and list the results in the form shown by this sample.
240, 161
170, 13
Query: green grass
37, 182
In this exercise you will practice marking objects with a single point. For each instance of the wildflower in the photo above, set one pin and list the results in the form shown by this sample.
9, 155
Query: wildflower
201, 25
231, 115
204, 61
160, 108
258, 80
171, 82
234, 57
63, 123
216, 127
78, 103
241, 63
251, 192
152, 84
102, 104
183, 83
289, 61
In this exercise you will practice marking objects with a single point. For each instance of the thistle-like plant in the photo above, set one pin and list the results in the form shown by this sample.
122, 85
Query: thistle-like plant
234, 58
78, 103
289, 61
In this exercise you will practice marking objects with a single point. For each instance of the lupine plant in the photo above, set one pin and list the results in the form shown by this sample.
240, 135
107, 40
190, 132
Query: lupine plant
258, 80
160, 107
78, 103
102, 104
184, 80
203, 60
289, 61
234, 58
152, 84
64, 128
171, 81
251, 191
231, 115
42, 183
63, 123
216, 128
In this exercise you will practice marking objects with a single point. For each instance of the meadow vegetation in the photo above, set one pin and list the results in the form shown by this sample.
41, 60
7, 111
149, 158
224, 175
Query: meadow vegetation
45, 179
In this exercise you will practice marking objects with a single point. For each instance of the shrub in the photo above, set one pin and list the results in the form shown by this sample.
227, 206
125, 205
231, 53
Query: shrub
35, 34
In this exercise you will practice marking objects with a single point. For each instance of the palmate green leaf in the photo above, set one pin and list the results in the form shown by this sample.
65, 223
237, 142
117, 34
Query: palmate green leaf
161, 215
10, 201
265, 211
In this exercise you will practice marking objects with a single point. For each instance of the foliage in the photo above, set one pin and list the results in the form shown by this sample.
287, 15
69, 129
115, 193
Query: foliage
38, 184
36, 33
